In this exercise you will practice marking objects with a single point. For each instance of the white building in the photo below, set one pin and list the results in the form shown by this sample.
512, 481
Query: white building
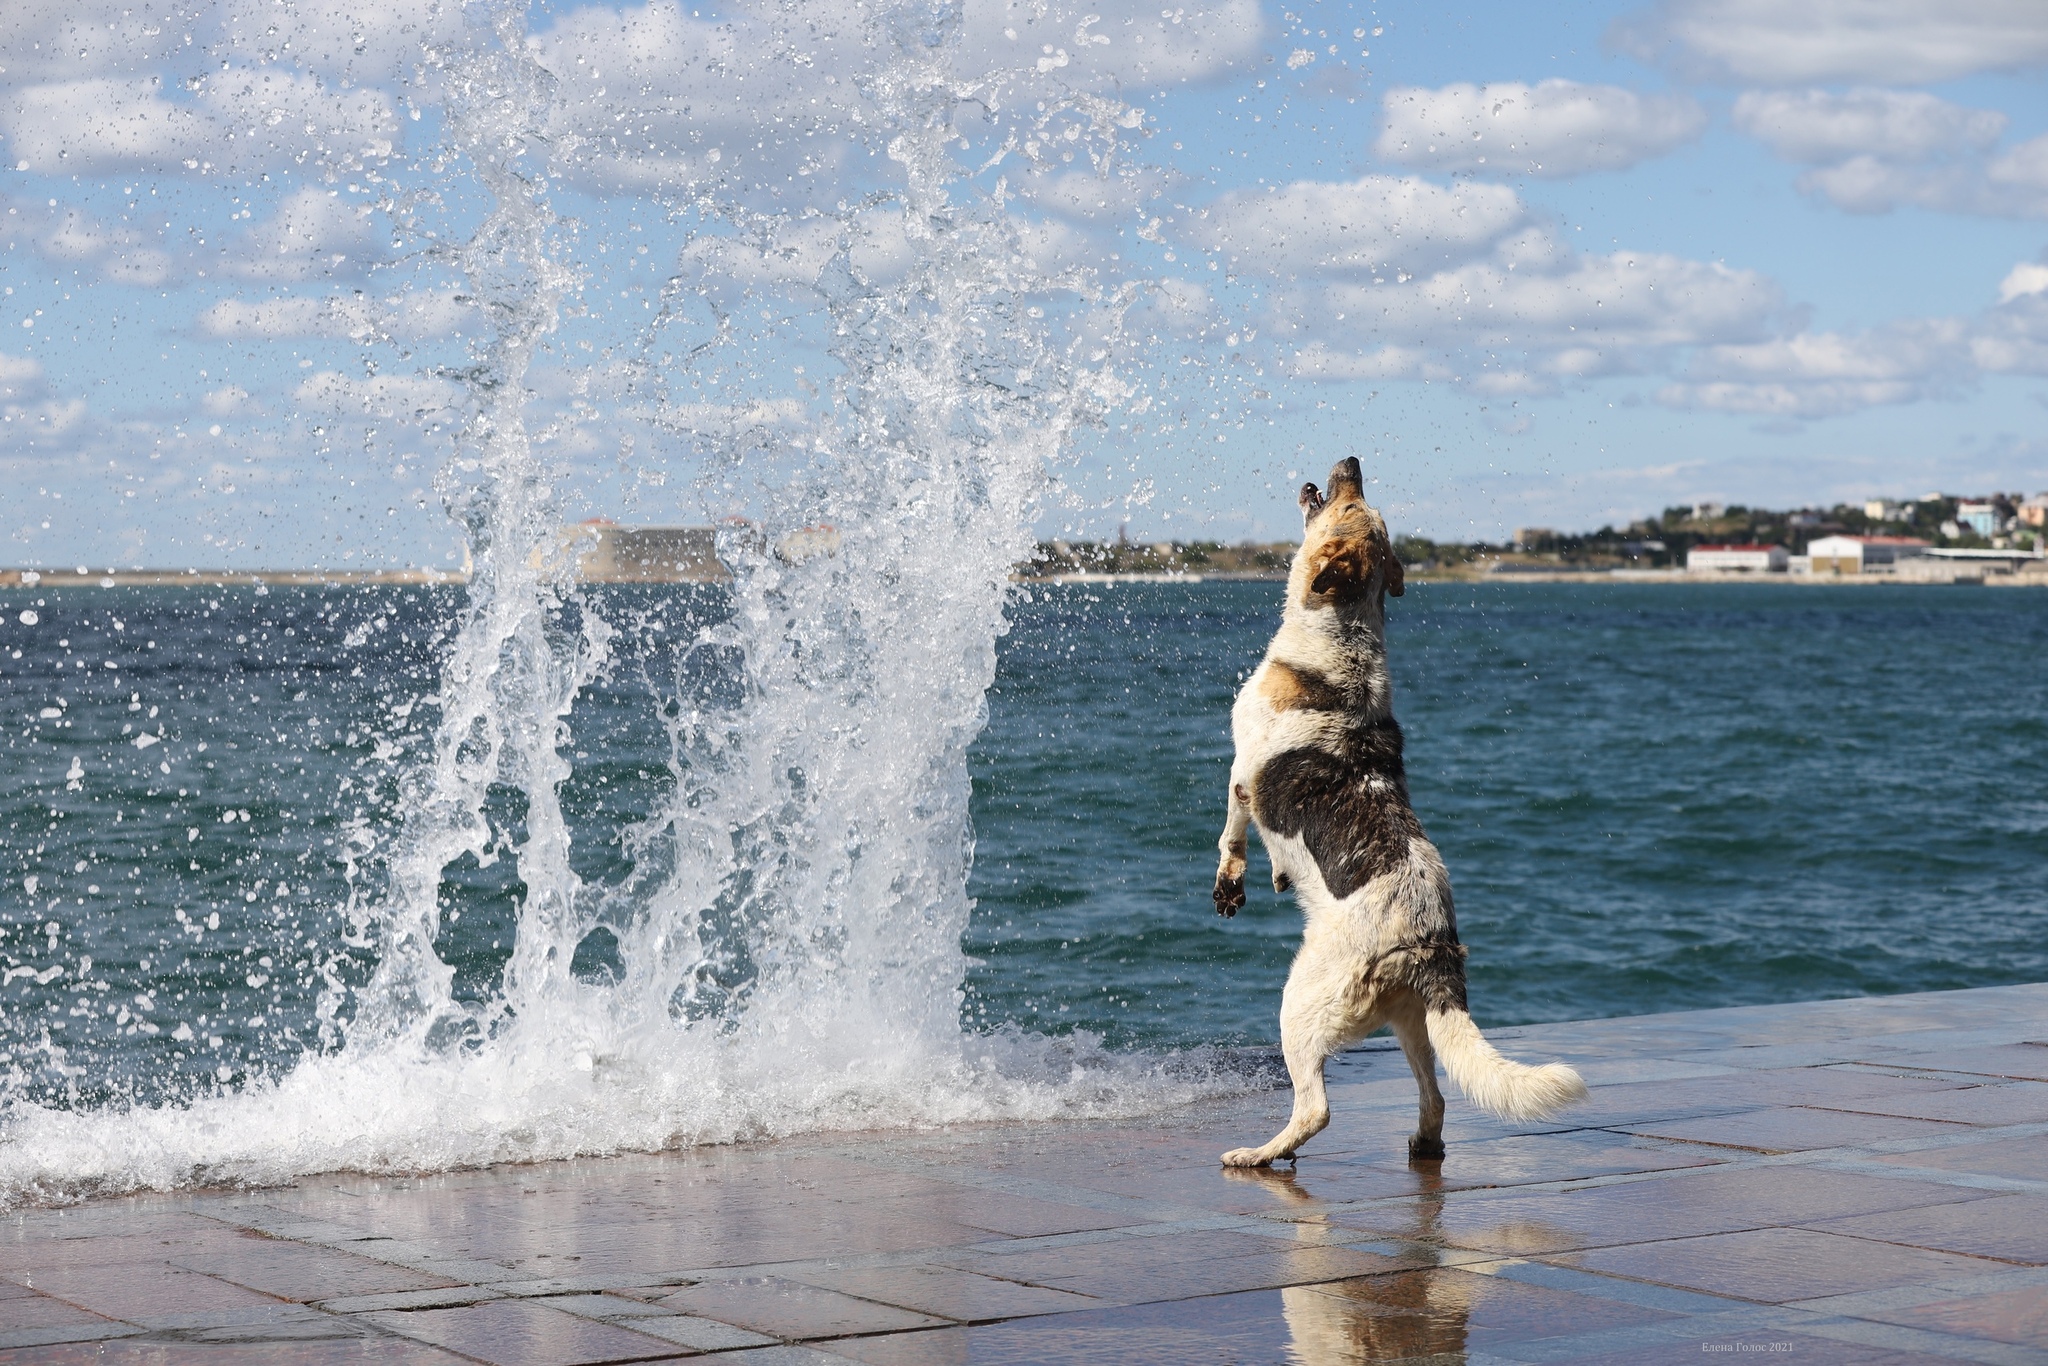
1755, 559
1980, 517
1885, 510
1854, 554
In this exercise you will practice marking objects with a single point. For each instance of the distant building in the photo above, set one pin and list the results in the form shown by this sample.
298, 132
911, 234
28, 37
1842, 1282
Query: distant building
1981, 518
2034, 512
1803, 519
1855, 554
1531, 537
1707, 512
1884, 510
1757, 559
608, 553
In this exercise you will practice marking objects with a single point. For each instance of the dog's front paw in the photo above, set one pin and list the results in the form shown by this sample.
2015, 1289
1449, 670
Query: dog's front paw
1229, 896
1282, 882
1245, 1157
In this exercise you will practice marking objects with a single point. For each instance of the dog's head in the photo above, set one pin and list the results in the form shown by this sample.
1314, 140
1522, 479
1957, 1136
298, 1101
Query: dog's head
1346, 555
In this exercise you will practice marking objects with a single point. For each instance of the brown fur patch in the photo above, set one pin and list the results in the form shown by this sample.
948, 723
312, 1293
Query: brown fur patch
1287, 688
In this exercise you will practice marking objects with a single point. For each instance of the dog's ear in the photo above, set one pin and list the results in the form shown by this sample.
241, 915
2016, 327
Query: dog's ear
1337, 568
1396, 578
1311, 501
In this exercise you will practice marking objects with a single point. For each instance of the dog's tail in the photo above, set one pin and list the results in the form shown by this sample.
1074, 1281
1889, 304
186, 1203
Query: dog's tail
1510, 1089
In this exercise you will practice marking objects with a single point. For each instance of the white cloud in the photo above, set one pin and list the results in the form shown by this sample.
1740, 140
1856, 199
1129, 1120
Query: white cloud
1901, 42
313, 233
1183, 307
1872, 150
43, 40
1387, 278
356, 317
21, 377
2024, 168
1819, 126
228, 401
1089, 195
652, 95
1374, 224
2028, 277
2013, 337
289, 317
1110, 44
241, 121
101, 124
361, 41
1555, 128
404, 397
69, 236
266, 117
1822, 374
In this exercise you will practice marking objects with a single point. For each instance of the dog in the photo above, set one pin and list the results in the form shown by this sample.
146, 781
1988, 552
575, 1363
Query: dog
1318, 770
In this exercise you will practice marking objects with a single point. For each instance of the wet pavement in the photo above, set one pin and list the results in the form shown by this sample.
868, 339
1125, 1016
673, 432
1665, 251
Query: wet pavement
1841, 1181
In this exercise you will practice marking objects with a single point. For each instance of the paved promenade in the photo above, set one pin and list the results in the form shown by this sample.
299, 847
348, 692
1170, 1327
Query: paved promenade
1847, 1181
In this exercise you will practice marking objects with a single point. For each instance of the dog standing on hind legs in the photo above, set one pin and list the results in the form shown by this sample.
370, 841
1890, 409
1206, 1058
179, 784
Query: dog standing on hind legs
1318, 769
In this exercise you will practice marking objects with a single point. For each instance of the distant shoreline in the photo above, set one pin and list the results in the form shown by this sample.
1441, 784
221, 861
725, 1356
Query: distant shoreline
382, 578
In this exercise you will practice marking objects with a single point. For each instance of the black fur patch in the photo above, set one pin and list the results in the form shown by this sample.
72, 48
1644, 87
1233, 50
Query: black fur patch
1434, 970
1349, 808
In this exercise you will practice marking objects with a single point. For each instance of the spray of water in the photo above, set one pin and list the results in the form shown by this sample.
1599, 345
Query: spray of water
789, 938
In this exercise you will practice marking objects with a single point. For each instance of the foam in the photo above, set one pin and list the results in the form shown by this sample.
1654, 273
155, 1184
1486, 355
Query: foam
790, 936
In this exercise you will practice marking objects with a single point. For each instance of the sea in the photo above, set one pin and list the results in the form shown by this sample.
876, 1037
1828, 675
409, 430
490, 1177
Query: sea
1650, 798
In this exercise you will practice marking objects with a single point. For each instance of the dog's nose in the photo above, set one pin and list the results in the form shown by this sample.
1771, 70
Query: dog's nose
1346, 478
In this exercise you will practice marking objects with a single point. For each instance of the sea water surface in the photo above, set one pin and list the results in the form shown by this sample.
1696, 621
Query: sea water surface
1649, 797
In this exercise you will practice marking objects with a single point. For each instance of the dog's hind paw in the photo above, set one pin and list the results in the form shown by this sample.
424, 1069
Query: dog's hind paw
1422, 1149
1229, 896
1245, 1157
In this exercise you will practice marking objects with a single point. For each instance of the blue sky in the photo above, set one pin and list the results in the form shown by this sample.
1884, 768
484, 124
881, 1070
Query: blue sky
1553, 265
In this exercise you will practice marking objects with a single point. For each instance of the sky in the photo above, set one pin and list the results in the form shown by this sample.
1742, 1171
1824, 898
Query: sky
1557, 265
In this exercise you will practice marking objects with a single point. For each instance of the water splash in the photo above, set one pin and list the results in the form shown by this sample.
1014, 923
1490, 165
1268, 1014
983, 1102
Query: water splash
788, 936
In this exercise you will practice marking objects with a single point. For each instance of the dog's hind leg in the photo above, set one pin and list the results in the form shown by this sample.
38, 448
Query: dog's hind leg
1411, 1027
1314, 1023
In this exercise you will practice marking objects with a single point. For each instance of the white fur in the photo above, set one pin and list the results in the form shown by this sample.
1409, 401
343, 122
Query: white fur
1333, 996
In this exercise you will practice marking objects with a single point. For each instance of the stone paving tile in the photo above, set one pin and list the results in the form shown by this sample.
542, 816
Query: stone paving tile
523, 1333
2012, 1228
2019, 1102
142, 1292
784, 1308
950, 1293
1419, 1314
2025, 1158
110, 1248
2022, 1061
1791, 1129
2016, 1316
1777, 1265
1528, 1159
1775, 1344
1023, 1217
30, 1310
129, 1352
1718, 1200
1735, 1091
294, 1271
